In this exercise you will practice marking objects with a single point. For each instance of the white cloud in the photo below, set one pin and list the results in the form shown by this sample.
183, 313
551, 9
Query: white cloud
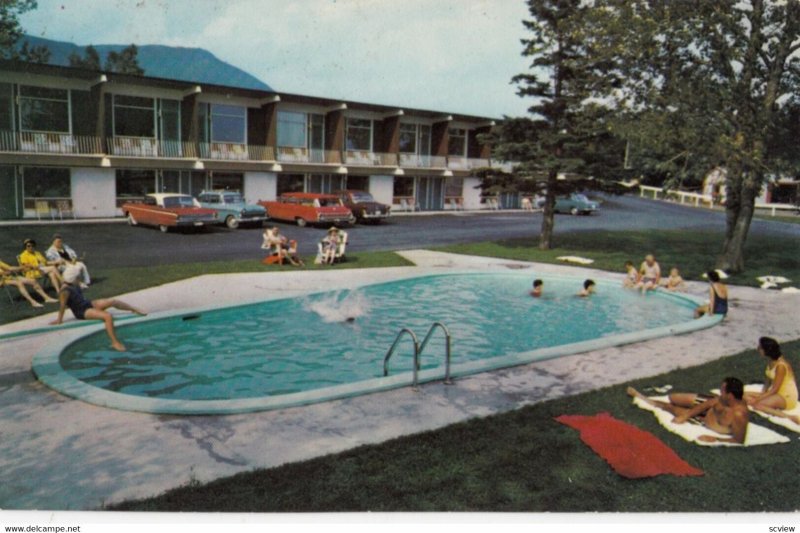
452, 55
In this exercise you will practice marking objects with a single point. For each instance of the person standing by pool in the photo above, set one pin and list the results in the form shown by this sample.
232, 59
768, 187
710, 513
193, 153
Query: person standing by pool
717, 298
780, 390
726, 414
538, 288
588, 288
650, 274
71, 296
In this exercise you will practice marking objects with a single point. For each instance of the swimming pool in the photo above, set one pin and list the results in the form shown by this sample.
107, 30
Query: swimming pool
328, 345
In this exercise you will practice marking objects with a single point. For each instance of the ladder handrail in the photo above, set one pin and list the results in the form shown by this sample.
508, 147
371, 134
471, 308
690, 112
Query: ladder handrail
394, 345
447, 347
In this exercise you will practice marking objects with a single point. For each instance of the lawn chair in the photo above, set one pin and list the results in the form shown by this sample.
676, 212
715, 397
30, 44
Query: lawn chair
10, 296
42, 207
404, 204
341, 249
64, 207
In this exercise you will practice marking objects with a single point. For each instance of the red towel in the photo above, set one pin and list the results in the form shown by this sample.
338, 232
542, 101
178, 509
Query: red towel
631, 452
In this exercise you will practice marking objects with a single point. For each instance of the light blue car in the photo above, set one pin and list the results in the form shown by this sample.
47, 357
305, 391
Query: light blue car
575, 204
232, 209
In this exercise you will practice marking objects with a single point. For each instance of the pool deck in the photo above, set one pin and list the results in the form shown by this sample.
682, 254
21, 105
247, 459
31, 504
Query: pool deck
57, 453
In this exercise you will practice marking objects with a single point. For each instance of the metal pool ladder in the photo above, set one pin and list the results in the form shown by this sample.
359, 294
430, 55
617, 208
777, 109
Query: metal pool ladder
419, 348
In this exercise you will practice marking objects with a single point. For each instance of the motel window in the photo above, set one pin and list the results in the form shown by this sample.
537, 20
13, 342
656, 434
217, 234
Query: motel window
403, 187
169, 181
228, 124
453, 187
134, 116
358, 135
6, 106
44, 110
44, 183
408, 138
324, 183
358, 183
134, 184
170, 113
458, 142
290, 183
292, 129
228, 181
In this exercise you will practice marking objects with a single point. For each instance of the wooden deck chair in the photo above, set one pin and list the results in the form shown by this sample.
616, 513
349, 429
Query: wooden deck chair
43, 208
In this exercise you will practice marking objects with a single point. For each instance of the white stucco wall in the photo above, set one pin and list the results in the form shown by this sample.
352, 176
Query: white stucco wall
260, 186
382, 188
472, 196
94, 192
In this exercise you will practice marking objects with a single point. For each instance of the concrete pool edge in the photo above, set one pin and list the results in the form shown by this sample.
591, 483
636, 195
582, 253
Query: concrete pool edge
47, 368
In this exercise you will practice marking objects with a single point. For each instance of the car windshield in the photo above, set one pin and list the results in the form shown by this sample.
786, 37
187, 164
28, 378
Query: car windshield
329, 202
178, 201
362, 197
580, 197
233, 199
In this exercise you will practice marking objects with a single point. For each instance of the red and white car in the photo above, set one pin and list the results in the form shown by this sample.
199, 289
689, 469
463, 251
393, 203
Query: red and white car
304, 208
169, 210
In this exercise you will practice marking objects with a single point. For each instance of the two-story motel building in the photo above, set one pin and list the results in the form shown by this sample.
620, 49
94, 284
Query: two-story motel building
83, 142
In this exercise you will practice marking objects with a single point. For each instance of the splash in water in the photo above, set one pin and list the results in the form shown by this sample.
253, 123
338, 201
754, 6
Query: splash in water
335, 308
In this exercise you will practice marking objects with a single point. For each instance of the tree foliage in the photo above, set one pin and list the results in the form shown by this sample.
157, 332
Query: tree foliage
11, 33
124, 62
89, 61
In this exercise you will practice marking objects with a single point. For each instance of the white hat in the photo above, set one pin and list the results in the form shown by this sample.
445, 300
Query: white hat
71, 273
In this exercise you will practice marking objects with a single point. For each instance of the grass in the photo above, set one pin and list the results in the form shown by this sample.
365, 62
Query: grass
692, 252
517, 461
114, 281
791, 219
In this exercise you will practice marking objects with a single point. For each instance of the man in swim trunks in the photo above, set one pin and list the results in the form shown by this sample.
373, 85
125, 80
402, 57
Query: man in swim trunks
726, 414
650, 274
71, 296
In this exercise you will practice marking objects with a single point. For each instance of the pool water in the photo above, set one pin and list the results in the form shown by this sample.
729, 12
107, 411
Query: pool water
292, 345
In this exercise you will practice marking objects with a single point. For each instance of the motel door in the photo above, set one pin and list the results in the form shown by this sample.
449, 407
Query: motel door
430, 194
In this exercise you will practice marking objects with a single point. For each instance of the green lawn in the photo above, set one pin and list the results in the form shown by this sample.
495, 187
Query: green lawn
692, 252
112, 282
518, 461
792, 219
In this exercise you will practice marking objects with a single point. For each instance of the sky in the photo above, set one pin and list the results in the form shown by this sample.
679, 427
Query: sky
456, 56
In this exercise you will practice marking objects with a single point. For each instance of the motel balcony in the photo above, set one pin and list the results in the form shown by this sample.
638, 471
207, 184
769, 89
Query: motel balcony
423, 161
49, 143
236, 152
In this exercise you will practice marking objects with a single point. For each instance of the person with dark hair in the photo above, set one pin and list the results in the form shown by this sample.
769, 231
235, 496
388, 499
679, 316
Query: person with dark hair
726, 414
538, 287
588, 288
780, 389
717, 299
34, 265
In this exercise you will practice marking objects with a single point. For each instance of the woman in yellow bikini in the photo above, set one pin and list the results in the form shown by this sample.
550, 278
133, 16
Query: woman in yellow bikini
780, 390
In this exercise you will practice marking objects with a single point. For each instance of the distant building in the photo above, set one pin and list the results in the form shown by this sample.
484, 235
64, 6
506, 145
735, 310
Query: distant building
88, 141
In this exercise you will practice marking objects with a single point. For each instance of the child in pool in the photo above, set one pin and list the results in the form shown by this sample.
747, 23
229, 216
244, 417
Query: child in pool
674, 282
631, 276
538, 287
588, 288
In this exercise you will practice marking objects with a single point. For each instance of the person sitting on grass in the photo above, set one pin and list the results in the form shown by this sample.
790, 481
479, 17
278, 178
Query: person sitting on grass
780, 390
34, 265
538, 288
9, 278
726, 414
649, 274
291, 254
631, 276
274, 243
61, 255
717, 299
674, 282
588, 289
71, 296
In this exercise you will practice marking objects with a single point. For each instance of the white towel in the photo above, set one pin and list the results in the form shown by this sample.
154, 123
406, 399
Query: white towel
779, 420
772, 279
575, 259
691, 432
791, 290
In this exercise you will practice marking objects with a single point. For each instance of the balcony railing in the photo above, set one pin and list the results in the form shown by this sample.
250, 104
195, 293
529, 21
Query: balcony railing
423, 161
370, 159
289, 154
49, 143
236, 152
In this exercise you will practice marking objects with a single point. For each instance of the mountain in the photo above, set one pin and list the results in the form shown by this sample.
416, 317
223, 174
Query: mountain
171, 62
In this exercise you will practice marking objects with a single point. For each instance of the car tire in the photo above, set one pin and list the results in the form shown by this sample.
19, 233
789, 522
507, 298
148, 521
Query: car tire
163, 228
574, 211
131, 220
231, 222
301, 222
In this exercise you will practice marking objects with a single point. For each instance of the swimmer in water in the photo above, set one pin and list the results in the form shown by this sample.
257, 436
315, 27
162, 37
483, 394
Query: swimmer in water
588, 288
538, 287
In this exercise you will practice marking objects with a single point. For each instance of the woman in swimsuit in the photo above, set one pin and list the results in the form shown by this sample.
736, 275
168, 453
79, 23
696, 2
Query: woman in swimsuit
780, 390
71, 296
718, 297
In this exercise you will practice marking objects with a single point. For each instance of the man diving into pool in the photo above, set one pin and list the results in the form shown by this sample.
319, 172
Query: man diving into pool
726, 414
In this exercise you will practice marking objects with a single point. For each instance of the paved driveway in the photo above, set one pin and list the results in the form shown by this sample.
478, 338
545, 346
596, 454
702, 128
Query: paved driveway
117, 245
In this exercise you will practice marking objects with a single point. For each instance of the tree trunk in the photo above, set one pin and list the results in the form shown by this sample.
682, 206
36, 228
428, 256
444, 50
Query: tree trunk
548, 216
739, 215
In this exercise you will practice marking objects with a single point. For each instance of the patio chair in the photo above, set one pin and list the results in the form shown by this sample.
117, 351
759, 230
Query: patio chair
64, 207
42, 207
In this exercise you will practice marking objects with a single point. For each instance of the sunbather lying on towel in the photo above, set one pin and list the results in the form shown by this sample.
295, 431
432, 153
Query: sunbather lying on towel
726, 414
